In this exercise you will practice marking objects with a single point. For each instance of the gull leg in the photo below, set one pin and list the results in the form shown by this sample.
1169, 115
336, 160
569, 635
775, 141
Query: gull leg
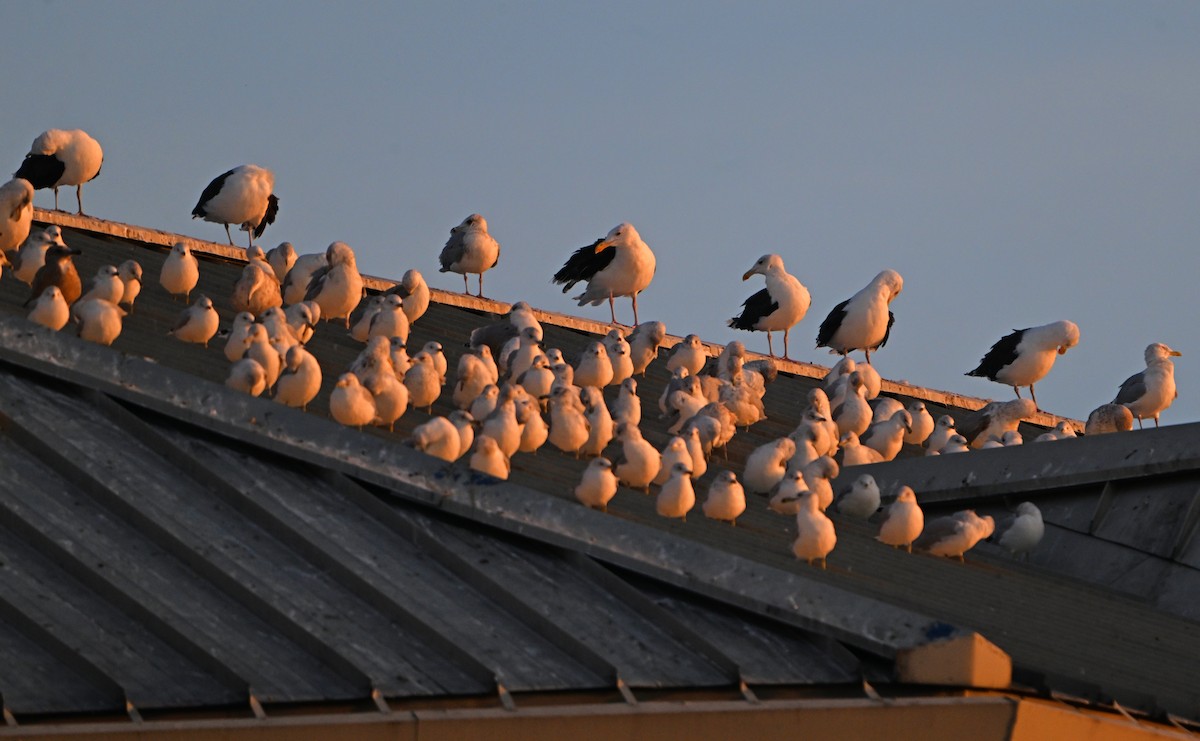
56, 198
868, 354
228, 235
1018, 390
466, 288
635, 316
785, 344
611, 309
79, 197
481, 285
770, 347
1035, 404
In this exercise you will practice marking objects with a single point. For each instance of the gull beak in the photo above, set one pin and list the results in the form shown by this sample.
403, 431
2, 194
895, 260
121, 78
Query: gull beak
747, 274
1062, 350
603, 246
1176, 353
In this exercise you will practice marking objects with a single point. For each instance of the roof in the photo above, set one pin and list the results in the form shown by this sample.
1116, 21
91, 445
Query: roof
169, 544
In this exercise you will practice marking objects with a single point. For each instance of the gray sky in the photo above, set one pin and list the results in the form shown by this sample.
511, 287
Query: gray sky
1016, 162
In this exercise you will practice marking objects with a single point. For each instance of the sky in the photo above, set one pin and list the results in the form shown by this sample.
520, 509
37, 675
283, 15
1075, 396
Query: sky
1017, 162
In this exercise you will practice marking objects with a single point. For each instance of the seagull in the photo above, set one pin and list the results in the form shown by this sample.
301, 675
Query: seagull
256, 289
59, 158
862, 500
779, 306
259, 347
31, 255
489, 458
954, 535
99, 320
689, 353
863, 321
338, 287
360, 318
600, 422
59, 270
470, 249
922, 423
815, 536
568, 425
1108, 418
300, 379
1149, 393
241, 196
299, 276
726, 499
423, 382
903, 520
998, 418
105, 284
644, 341
1021, 534
856, 454
622, 363
131, 280
247, 376
639, 462
628, 405
675, 451
413, 289
943, 429
1025, 357
767, 464
390, 321
677, 497
620, 264
817, 476
180, 271
51, 310
281, 259
594, 368
445, 438
887, 437
390, 396
502, 425
197, 323
958, 444
598, 485
786, 499
350, 403
16, 213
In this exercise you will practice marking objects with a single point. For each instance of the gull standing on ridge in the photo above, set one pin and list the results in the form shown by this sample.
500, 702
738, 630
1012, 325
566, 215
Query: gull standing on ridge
470, 249
60, 157
1150, 392
620, 264
779, 306
726, 499
242, 196
197, 323
180, 272
863, 321
16, 213
598, 485
1025, 357
903, 520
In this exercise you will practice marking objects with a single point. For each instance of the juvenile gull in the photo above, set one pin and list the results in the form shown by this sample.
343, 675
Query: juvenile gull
470, 249
863, 321
59, 270
58, 158
779, 306
1150, 392
620, 264
1025, 357
1108, 418
243, 196
998, 418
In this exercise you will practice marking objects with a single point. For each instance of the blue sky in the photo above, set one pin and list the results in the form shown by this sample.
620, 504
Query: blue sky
1016, 162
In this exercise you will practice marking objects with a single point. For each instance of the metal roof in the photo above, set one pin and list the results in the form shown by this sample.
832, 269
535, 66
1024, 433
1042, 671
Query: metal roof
173, 544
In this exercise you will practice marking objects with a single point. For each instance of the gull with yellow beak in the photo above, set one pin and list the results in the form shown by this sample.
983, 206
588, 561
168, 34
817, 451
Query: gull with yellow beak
620, 264
779, 306
1025, 357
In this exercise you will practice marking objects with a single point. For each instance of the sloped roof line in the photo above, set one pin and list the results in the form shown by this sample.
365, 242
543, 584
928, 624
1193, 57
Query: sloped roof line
148, 235
692, 566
